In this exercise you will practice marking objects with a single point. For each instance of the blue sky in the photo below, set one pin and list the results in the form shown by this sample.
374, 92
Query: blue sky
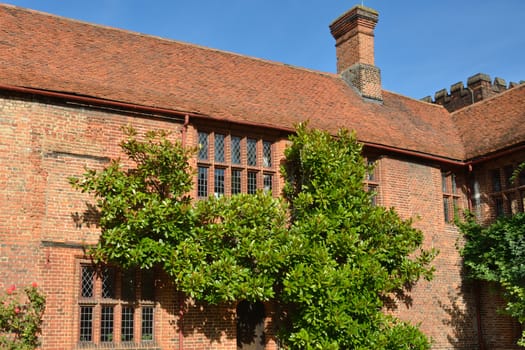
421, 46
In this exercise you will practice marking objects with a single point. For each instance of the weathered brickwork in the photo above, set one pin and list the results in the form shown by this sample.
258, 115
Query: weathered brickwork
47, 226
479, 87
445, 306
429, 163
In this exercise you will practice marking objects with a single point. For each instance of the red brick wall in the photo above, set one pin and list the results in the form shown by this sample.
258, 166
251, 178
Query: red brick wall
500, 331
445, 306
44, 226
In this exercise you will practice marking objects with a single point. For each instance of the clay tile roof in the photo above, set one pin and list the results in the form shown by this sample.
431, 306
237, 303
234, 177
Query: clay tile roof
51, 53
493, 124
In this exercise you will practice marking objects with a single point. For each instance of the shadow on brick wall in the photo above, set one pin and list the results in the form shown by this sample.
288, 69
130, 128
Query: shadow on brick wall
202, 322
88, 218
462, 317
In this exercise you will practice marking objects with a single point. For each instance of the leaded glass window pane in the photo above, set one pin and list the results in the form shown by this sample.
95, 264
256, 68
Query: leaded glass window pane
267, 154
106, 323
252, 182
108, 283
147, 285
127, 323
128, 285
444, 182
236, 150
203, 145
147, 323
202, 182
219, 182
446, 208
508, 170
251, 151
496, 180
268, 182
236, 181
88, 275
86, 323
219, 148
500, 211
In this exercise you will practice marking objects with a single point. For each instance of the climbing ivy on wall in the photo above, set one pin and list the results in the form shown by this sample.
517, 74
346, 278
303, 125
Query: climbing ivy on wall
496, 254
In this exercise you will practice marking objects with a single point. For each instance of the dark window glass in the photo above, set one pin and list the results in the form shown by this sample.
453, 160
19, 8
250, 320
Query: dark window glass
127, 323
147, 285
508, 170
236, 150
498, 203
88, 275
252, 182
203, 146
446, 208
219, 182
453, 183
202, 182
106, 324
86, 323
236, 181
147, 323
251, 152
219, 148
444, 186
108, 283
496, 180
128, 285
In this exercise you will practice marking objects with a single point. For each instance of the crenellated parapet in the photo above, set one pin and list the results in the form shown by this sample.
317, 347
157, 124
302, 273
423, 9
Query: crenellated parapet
479, 87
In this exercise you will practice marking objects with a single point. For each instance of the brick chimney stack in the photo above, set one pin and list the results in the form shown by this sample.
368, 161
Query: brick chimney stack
354, 40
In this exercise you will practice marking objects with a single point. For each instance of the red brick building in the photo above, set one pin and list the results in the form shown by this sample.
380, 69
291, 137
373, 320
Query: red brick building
67, 87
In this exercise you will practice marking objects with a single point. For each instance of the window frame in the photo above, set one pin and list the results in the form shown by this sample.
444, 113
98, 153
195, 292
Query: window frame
236, 162
451, 196
509, 197
97, 328
371, 181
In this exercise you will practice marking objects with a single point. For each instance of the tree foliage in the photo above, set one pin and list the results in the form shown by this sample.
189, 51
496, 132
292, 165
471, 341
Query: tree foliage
353, 254
497, 254
324, 254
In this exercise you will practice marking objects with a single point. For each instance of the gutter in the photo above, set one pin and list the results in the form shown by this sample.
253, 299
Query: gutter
496, 154
410, 153
94, 101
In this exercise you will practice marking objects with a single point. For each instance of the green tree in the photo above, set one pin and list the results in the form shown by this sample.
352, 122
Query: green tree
354, 255
496, 254
324, 254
